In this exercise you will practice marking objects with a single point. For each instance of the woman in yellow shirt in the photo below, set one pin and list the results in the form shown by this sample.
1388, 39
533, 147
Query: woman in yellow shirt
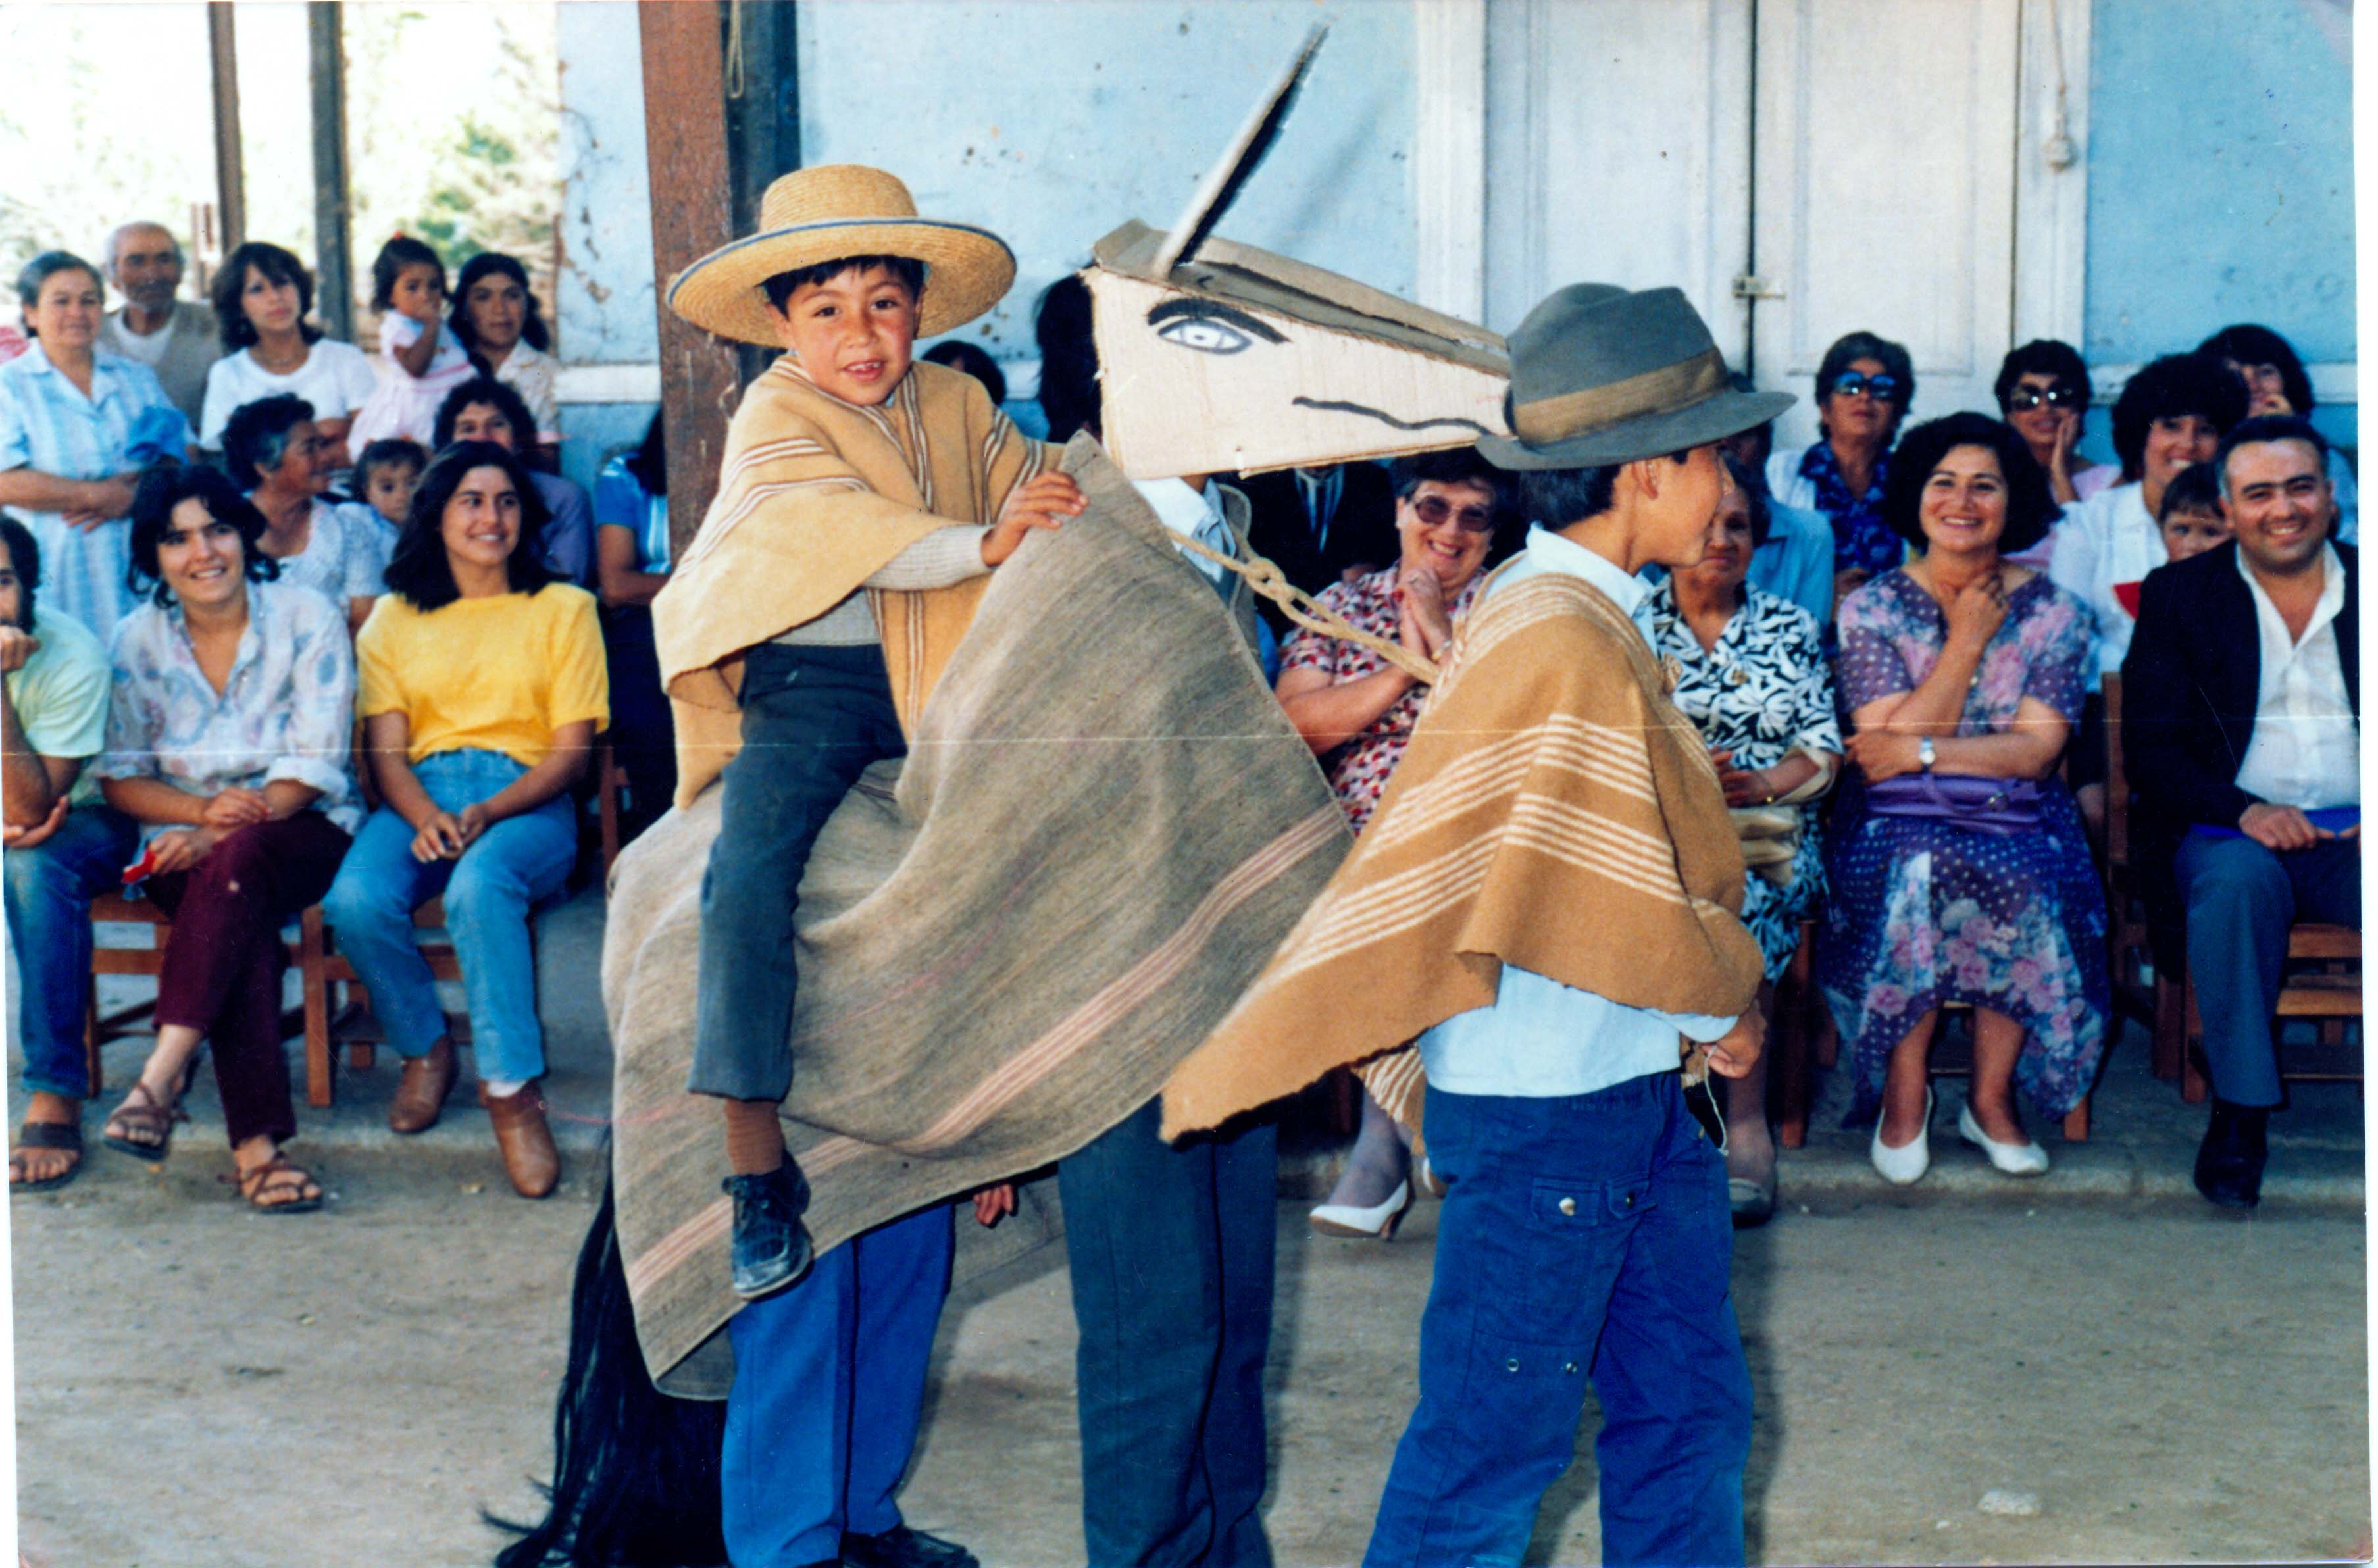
480, 681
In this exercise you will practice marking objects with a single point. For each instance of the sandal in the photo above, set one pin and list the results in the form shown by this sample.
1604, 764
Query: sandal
258, 1184
66, 1136
144, 1130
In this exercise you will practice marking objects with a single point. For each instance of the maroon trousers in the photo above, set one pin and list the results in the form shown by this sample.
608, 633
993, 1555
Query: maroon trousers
221, 970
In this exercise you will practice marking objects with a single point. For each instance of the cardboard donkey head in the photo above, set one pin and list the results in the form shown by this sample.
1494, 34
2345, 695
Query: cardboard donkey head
1218, 357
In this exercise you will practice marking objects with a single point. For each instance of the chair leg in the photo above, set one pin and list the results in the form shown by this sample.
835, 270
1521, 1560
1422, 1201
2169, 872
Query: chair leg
1795, 1019
2193, 1086
90, 1059
606, 798
2170, 1028
2076, 1123
314, 986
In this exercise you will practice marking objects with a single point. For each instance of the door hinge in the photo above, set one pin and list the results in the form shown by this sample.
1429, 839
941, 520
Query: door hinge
1748, 287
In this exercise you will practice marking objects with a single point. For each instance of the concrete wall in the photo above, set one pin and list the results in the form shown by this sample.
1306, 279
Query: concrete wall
2221, 179
1051, 123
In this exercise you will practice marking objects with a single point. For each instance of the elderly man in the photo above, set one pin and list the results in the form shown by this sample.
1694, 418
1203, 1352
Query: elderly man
176, 338
63, 847
2242, 722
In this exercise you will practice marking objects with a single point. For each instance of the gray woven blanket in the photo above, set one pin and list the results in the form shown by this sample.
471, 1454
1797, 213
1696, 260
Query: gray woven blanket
1104, 827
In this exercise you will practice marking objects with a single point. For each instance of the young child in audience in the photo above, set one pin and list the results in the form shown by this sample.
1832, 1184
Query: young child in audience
2192, 520
386, 474
421, 359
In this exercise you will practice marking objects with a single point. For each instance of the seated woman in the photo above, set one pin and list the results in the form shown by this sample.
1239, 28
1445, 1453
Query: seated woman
2043, 393
1752, 678
631, 563
228, 739
1356, 710
273, 447
483, 409
1864, 384
1958, 871
481, 687
496, 318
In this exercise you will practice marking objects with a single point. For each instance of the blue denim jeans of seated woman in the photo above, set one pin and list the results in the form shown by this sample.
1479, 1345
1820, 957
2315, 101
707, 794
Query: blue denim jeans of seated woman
489, 890
1584, 1237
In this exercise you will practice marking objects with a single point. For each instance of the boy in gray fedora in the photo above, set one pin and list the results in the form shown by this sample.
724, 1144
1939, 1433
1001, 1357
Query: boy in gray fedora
1548, 900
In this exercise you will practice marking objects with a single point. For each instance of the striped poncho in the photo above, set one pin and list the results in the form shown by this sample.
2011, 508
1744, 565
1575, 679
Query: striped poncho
1554, 811
815, 495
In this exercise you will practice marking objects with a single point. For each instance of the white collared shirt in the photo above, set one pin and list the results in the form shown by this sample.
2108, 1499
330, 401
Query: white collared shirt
2305, 751
1540, 1038
2107, 540
1192, 514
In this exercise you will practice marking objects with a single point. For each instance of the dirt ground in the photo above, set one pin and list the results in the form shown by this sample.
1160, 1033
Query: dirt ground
201, 1388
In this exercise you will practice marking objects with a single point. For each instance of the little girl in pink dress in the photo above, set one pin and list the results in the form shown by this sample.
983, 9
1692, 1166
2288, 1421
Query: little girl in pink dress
421, 360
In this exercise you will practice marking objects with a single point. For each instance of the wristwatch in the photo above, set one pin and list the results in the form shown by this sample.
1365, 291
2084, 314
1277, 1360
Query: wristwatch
1925, 754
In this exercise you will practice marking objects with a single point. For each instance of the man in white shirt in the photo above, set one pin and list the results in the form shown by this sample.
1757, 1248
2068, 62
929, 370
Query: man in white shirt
2242, 699
178, 339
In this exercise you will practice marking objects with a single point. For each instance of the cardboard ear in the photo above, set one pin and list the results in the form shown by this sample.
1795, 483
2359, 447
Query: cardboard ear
1216, 357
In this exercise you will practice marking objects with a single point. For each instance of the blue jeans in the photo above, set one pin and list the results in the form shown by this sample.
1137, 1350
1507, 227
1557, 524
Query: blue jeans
49, 890
2241, 898
829, 1389
1582, 1236
1170, 1250
489, 891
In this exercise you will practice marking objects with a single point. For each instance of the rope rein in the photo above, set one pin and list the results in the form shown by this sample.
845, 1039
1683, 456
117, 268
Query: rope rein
1305, 611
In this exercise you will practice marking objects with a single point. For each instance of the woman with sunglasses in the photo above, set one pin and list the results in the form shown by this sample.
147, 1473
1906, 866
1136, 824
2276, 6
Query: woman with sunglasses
1864, 385
1356, 710
2043, 391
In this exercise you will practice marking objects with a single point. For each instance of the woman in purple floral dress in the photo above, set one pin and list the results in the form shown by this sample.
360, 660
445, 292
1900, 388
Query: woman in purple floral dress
1357, 710
1957, 864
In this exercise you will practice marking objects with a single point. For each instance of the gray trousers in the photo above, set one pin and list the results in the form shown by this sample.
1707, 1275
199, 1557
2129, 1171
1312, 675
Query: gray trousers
2241, 898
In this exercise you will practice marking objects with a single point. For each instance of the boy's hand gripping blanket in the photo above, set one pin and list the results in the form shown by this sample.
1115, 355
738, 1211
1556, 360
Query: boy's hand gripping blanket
1554, 811
1104, 827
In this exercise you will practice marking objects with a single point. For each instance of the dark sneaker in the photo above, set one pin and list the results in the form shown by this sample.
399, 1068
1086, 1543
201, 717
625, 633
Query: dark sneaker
2230, 1162
772, 1245
901, 1547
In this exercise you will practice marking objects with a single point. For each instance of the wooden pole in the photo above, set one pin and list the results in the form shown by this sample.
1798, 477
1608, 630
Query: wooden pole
685, 138
231, 180
334, 292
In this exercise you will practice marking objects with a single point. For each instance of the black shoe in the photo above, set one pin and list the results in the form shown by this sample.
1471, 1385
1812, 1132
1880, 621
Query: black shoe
901, 1547
772, 1245
2230, 1162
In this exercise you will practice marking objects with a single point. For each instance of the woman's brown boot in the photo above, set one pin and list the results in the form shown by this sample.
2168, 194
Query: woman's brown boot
422, 1088
530, 1158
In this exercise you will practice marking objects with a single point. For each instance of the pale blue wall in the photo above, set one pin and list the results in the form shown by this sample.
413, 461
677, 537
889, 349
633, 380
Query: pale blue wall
1051, 124
2221, 179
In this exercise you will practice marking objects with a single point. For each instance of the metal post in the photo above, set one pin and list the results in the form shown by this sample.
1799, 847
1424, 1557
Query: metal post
231, 180
334, 291
685, 137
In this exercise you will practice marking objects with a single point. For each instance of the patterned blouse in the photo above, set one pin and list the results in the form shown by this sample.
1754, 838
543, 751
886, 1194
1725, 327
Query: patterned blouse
1861, 538
1359, 769
1762, 692
287, 709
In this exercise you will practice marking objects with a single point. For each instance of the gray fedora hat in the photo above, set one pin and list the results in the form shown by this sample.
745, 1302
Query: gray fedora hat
1603, 376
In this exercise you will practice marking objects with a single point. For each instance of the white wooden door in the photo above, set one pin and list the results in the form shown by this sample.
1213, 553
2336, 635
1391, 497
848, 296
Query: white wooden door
1618, 151
1884, 191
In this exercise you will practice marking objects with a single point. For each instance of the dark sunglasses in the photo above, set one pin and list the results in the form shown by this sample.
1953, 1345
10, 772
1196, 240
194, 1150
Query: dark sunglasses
2023, 398
1882, 389
1433, 512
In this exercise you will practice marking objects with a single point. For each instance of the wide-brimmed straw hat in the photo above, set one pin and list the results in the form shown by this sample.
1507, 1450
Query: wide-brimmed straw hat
828, 212
1603, 376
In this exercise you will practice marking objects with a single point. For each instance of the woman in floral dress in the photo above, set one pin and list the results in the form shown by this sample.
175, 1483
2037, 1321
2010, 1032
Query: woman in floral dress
1972, 884
1357, 710
1753, 680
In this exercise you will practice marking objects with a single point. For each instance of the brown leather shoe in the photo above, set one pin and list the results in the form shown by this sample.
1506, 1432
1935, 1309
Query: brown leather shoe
530, 1158
421, 1091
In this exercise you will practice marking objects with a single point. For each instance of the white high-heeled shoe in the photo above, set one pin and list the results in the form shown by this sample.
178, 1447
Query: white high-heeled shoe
2015, 1159
1345, 1219
1906, 1164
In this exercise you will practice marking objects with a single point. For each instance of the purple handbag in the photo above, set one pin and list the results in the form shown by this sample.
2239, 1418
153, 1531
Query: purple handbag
1983, 805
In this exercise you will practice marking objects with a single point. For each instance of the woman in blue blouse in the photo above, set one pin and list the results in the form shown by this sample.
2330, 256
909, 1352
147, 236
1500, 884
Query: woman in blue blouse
1864, 387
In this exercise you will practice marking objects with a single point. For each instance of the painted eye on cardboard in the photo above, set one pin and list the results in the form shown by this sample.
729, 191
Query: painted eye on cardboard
1207, 325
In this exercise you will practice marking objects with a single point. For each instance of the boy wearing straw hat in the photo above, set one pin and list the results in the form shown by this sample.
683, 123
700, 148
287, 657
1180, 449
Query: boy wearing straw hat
1548, 899
862, 499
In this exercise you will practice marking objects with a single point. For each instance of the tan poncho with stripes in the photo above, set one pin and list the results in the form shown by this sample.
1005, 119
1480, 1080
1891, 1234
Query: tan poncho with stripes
1554, 811
815, 496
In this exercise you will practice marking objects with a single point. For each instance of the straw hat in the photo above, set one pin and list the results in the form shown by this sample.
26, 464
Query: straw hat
1601, 376
834, 210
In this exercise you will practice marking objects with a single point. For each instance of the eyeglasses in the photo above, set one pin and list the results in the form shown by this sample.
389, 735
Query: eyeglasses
2024, 398
1882, 389
1433, 512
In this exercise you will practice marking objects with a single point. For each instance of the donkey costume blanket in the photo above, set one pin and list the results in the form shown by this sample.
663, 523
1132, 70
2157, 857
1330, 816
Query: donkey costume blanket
1104, 827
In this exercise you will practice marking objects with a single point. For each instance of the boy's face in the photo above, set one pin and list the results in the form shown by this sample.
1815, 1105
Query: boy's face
390, 490
2187, 533
852, 333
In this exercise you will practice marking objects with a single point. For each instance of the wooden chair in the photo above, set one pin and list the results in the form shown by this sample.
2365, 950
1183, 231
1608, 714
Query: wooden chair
610, 780
1793, 1034
2324, 984
328, 1025
100, 1028
2147, 994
